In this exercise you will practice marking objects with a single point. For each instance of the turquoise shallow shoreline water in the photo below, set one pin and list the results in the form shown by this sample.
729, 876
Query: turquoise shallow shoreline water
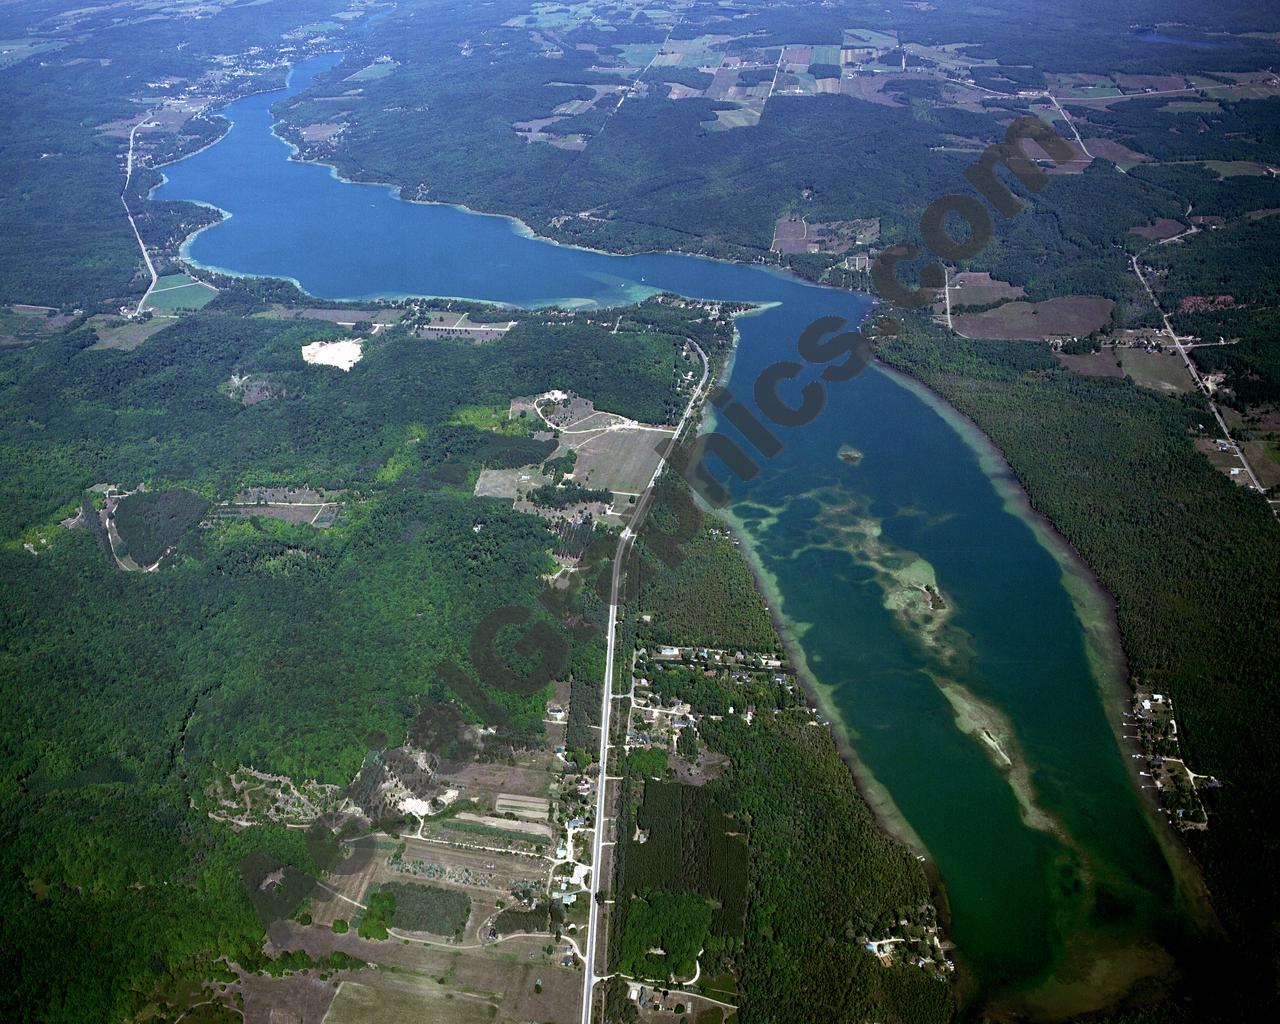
934, 621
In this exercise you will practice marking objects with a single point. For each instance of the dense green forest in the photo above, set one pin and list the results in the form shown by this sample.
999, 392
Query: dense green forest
1235, 261
705, 593
259, 641
74, 414
429, 908
151, 522
1244, 130
1179, 547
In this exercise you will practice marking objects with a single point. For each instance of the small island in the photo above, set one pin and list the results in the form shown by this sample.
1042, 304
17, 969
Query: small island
850, 454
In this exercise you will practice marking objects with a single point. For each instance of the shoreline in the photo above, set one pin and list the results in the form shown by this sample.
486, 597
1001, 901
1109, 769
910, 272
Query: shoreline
1096, 611
519, 226
885, 814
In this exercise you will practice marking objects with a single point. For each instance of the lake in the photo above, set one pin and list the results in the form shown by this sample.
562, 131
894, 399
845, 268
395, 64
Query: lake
960, 651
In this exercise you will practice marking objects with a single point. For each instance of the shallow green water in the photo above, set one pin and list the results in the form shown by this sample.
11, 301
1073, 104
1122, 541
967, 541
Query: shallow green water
979, 720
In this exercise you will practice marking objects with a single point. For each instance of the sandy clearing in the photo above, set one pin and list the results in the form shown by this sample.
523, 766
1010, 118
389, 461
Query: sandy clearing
342, 354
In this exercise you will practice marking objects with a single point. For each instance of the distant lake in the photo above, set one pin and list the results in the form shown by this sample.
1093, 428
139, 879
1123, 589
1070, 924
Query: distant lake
1199, 44
1056, 914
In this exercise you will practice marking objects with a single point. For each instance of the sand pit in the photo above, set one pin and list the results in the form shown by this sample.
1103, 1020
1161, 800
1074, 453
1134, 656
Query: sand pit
342, 354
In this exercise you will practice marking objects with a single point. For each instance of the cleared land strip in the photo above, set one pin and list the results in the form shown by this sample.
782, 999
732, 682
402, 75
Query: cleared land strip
128, 177
606, 703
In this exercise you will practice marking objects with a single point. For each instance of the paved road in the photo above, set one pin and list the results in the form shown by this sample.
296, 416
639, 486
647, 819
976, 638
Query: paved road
606, 705
128, 177
1204, 389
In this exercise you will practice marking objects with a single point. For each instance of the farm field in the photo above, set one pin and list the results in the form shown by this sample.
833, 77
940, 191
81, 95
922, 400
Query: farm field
1160, 371
1069, 316
1163, 227
342, 317
973, 289
1092, 364
611, 451
1236, 168
620, 460
22, 325
288, 504
125, 335
178, 291
433, 980
392, 1001
531, 775
343, 888
1264, 457
506, 483
374, 71
459, 325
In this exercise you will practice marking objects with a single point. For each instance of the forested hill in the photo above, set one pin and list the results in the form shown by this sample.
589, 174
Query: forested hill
258, 641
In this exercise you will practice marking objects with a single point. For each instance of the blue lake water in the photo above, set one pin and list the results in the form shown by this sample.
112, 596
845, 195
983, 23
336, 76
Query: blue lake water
1056, 883
1196, 44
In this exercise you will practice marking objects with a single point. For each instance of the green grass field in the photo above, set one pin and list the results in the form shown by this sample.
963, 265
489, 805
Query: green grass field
1160, 371
864, 37
743, 117
1190, 107
177, 291
373, 72
1232, 168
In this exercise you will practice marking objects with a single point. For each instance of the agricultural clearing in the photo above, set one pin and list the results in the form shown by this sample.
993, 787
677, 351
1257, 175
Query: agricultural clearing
1068, 316
178, 291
